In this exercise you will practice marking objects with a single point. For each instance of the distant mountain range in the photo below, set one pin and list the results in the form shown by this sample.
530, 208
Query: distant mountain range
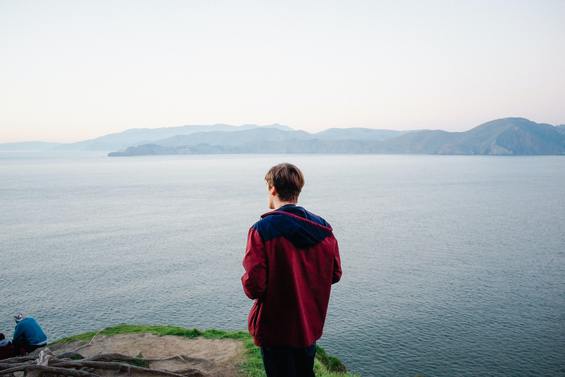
507, 136
130, 137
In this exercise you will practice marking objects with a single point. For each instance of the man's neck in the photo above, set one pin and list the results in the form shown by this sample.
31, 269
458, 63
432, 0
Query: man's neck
280, 204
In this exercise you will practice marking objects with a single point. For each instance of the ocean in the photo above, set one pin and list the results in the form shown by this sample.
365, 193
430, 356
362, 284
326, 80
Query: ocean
452, 265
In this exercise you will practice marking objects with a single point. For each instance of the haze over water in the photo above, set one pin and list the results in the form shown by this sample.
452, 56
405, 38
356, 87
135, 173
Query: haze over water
452, 266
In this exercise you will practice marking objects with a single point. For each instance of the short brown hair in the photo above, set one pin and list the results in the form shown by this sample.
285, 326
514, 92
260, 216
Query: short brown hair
287, 180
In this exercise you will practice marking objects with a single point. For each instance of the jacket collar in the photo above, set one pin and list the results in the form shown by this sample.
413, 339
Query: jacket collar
291, 210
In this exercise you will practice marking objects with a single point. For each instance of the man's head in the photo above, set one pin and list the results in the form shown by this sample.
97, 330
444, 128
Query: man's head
284, 182
18, 317
2, 337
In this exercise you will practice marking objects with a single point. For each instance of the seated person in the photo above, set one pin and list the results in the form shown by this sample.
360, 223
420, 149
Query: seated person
6, 348
28, 335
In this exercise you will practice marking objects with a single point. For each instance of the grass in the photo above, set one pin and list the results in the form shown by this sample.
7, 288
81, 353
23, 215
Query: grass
252, 366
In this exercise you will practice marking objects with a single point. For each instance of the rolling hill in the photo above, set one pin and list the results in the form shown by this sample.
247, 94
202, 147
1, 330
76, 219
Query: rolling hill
138, 136
507, 136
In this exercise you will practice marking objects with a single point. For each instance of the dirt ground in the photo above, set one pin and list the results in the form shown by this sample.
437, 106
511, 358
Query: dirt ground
209, 357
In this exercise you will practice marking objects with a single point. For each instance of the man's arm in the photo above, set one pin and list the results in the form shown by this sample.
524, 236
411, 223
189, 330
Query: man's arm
254, 280
18, 337
337, 265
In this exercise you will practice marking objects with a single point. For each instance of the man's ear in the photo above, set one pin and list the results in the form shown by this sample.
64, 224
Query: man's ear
273, 191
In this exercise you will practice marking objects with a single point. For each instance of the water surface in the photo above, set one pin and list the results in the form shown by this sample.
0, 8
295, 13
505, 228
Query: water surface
452, 265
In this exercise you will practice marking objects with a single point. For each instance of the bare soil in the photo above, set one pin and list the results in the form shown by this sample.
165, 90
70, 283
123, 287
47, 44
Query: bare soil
209, 357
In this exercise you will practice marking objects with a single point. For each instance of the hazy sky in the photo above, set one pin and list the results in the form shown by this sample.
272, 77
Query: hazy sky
76, 69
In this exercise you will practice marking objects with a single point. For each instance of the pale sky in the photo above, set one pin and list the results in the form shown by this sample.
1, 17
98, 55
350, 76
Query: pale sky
71, 70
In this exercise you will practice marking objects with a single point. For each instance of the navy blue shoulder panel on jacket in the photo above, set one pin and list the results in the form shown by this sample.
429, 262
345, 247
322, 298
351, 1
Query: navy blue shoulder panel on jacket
301, 227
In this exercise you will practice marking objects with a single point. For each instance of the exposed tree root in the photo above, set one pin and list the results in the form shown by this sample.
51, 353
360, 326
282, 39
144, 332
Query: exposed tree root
73, 365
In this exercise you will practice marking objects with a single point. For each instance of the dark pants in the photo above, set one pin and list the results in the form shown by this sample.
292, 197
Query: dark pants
24, 349
289, 361
7, 351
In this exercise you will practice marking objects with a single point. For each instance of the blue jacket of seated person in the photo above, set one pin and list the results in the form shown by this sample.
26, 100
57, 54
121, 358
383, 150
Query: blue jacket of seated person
28, 331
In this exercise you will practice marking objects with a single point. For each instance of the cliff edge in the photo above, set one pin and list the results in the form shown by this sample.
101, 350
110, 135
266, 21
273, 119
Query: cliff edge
179, 351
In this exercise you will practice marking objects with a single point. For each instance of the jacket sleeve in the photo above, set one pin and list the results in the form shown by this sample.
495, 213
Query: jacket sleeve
337, 265
254, 280
18, 337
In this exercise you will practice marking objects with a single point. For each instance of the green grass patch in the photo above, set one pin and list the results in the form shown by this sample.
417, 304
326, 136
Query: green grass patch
324, 366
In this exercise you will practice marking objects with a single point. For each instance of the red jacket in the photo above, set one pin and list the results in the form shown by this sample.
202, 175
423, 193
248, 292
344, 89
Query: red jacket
291, 261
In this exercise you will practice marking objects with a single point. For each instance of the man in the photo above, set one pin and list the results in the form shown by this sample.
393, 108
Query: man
28, 335
291, 261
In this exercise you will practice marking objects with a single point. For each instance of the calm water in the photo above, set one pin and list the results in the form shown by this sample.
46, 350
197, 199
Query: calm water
452, 266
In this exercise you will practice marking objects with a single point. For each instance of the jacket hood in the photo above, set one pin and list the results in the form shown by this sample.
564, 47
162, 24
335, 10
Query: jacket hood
301, 227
